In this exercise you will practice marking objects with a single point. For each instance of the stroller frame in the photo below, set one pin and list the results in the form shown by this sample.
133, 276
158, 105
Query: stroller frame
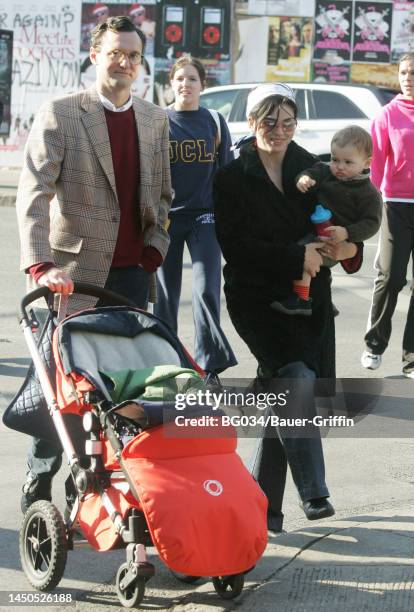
133, 531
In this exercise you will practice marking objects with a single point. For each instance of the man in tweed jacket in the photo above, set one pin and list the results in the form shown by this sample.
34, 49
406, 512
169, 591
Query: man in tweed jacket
94, 196
67, 204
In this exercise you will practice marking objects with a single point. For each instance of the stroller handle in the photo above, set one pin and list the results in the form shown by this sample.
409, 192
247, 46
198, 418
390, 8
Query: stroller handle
83, 288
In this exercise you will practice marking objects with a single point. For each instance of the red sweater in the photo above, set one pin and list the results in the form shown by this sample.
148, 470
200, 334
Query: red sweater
129, 249
125, 158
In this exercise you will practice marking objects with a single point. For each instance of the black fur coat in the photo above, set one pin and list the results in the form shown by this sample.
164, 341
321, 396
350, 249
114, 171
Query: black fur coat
258, 227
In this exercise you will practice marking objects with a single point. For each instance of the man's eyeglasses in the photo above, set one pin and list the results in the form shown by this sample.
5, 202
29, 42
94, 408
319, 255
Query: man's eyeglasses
268, 124
116, 55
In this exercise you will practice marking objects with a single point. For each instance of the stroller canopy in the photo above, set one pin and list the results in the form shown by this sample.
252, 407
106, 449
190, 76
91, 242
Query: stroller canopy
113, 338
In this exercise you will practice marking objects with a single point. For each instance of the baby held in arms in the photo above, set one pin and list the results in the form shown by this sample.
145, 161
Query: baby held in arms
350, 206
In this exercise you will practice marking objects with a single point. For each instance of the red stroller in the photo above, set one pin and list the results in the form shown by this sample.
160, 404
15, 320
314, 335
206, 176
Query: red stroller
190, 497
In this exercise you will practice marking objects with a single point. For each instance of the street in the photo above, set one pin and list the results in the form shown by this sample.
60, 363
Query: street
364, 475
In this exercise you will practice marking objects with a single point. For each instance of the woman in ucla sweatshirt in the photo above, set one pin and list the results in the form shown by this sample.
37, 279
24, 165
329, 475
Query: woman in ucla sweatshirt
392, 171
199, 144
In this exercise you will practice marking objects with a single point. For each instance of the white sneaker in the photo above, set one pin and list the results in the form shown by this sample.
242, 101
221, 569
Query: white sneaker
408, 370
370, 361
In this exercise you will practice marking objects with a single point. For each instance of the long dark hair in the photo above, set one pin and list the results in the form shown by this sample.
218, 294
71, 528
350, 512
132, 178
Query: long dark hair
270, 104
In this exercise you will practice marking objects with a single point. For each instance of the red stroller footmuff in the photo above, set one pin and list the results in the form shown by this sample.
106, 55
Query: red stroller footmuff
183, 488
206, 515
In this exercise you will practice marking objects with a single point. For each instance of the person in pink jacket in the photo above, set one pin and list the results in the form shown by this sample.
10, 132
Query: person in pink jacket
392, 171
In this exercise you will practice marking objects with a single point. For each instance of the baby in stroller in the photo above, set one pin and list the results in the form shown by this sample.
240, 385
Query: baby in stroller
149, 482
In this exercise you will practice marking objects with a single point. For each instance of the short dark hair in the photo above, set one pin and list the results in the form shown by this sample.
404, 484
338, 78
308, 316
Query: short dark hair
122, 23
355, 136
188, 60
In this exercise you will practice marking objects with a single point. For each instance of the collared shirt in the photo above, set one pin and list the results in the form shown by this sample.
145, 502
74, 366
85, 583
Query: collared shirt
108, 104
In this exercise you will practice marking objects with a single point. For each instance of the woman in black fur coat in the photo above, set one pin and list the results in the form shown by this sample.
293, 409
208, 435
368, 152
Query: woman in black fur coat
260, 217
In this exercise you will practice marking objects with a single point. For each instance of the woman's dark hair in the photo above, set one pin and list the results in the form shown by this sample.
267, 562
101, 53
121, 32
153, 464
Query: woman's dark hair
270, 104
188, 60
115, 24
406, 57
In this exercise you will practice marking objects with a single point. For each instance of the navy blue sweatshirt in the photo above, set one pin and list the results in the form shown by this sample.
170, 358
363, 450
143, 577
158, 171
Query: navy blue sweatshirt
193, 158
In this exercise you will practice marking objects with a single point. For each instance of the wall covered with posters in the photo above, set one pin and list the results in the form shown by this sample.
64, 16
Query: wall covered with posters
45, 44
44, 47
322, 40
45, 62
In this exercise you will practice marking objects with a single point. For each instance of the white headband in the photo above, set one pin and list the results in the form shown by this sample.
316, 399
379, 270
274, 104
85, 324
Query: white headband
260, 93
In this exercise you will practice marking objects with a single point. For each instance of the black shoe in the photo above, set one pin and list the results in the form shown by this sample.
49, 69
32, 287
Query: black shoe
273, 533
36, 487
293, 305
212, 382
275, 524
317, 508
335, 310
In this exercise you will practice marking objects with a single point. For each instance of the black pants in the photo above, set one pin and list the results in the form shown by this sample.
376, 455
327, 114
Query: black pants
396, 246
303, 455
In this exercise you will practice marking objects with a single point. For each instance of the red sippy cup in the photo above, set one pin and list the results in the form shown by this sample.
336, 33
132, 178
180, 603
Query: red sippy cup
321, 219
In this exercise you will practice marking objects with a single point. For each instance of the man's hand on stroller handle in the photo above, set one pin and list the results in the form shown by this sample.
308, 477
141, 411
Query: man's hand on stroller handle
57, 281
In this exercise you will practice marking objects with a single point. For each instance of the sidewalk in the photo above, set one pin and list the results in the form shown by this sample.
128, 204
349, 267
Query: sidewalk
364, 563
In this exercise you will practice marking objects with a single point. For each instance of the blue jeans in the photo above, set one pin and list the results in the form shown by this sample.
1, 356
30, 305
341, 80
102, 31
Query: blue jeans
45, 456
212, 350
304, 455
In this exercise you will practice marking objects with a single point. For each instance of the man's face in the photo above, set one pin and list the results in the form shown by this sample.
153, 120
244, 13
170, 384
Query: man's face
120, 72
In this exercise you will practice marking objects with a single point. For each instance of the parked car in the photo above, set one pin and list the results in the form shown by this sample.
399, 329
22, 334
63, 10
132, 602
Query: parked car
323, 109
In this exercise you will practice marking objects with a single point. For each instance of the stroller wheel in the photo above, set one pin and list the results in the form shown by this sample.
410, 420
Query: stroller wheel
229, 587
133, 594
43, 545
185, 578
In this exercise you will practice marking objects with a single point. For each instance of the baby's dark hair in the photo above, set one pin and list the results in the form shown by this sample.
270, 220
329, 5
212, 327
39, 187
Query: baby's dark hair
355, 136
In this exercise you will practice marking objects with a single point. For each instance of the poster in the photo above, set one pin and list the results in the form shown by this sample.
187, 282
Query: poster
301, 8
6, 57
142, 15
333, 32
375, 74
289, 48
402, 40
45, 62
252, 50
323, 72
372, 31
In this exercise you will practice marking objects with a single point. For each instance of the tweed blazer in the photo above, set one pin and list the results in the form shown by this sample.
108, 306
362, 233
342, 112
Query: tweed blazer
67, 205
